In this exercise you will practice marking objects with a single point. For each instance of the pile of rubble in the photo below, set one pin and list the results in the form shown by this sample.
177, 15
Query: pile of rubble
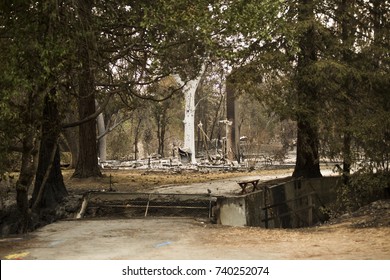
171, 164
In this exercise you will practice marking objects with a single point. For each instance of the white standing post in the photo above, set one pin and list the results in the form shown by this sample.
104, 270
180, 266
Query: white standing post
189, 117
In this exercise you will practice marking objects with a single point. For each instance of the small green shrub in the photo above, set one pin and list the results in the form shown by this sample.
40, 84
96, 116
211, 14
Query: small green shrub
362, 188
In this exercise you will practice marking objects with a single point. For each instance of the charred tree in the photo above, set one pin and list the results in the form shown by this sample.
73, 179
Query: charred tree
28, 166
26, 177
49, 188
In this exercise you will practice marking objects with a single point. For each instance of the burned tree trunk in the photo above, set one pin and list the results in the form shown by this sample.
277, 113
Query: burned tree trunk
26, 177
28, 167
49, 188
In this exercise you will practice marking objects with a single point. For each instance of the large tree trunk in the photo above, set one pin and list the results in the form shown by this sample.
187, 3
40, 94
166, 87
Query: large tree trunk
26, 177
27, 170
87, 163
49, 188
347, 35
307, 161
161, 141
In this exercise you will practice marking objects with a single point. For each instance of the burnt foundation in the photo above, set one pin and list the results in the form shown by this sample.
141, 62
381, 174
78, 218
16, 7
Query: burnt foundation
293, 204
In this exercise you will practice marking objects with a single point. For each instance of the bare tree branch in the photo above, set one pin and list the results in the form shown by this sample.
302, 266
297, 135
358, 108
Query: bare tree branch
94, 115
111, 128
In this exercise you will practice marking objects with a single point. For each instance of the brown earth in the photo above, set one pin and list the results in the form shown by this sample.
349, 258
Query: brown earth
145, 180
184, 238
364, 234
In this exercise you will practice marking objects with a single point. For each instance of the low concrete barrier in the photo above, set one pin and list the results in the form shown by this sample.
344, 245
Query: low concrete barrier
289, 205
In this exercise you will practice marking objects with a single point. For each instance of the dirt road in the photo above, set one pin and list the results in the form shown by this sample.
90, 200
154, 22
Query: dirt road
183, 238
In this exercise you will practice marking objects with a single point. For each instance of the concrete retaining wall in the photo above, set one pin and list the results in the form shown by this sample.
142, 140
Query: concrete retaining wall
232, 211
288, 205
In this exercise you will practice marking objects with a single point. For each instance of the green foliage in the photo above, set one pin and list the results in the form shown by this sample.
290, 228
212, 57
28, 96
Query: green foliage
120, 143
363, 188
167, 114
137, 43
34, 52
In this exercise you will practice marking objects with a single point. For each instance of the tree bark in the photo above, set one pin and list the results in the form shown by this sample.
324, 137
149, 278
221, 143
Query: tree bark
307, 161
26, 177
161, 142
347, 36
27, 170
87, 163
49, 188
